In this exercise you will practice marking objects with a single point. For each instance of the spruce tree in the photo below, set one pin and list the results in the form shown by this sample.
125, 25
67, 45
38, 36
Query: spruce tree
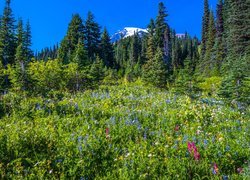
208, 64
80, 55
97, 72
27, 42
205, 24
7, 36
154, 71
135, 49
219, 43
92, 36
150, 48
151, 27
106, 50
239, 26
20, 32
70, 41
162, 32
161, 25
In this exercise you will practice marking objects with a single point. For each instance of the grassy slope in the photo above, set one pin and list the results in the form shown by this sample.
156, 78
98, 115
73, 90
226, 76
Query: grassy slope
122, 132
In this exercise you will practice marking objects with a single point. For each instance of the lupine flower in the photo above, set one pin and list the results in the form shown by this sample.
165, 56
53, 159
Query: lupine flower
224, 177
215, 169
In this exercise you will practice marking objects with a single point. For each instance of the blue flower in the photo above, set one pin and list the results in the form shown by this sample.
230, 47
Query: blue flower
224, 177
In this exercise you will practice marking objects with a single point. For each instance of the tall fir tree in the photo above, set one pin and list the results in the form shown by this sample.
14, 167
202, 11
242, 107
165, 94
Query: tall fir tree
7, 36
106, 50
162, 32
80, 55
150, 48
135, 49
20, 32
70, 41
92, 36
205, 24
155, 71
219, 43
209, 63
27, 42
151, 27
160, 25
239, 28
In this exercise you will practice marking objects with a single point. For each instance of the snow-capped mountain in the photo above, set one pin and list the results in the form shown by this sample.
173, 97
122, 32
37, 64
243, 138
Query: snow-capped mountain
127, 32
130, 31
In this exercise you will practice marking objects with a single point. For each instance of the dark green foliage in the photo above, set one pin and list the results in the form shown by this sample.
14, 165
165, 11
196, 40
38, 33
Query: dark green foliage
135, 50
7, 36
70, 41
220, 41
96, 72
151, 27
160, 25
20, 54
236, 84
239, 28
185, 80
154, 71
80, 55
205, 24
47, 53
92, 36
208, 64
27, 43
20, 32
106, 50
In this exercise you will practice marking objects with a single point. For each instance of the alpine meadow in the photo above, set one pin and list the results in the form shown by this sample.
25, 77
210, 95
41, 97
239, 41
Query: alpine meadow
147, 103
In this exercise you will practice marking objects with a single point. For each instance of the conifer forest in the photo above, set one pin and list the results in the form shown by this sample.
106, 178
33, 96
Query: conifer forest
148, 106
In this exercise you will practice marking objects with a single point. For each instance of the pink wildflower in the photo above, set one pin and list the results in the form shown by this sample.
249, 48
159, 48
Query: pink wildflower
193, 150
240, 170
177, 128
215, 169
107, 133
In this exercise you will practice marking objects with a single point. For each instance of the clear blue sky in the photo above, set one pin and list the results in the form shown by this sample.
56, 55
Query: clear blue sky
49, 18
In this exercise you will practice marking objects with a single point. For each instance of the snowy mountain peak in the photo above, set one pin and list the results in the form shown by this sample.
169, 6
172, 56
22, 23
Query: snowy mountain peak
127, 32
130, 31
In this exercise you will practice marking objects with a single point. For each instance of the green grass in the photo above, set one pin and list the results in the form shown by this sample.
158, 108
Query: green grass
121, 132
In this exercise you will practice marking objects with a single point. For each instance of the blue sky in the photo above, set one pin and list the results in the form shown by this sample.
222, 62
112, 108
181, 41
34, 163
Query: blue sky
49, 18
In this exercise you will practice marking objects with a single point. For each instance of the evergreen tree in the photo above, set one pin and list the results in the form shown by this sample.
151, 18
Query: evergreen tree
176, 52
205, 24
219, 43
239, 28
150, 48
27, 42
154, 71
20, 54
208, 64
162, 33
70, 41
20, 32
236, 83
97, 72
7, 36
106, 50
80, 55
135, 49
151, 27
92, 36
161, 25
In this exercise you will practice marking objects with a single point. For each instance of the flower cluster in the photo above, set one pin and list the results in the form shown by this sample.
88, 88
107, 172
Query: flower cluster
193, 150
